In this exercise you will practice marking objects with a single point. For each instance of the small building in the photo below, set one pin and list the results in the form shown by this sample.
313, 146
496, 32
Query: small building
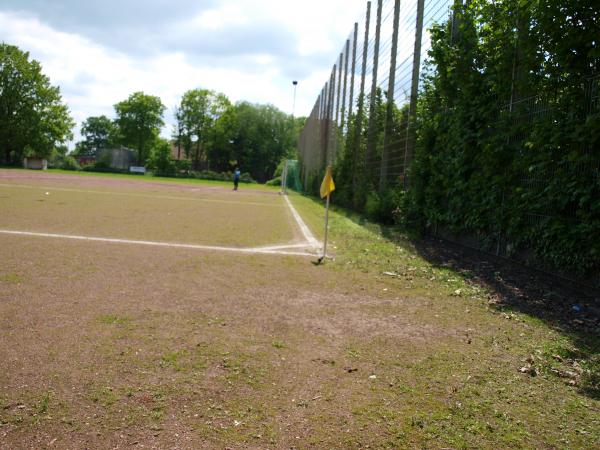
35, 163
85, 160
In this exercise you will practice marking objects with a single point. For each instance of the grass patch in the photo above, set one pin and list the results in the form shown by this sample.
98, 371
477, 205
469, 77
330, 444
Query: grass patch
44, 404
111, 319
172, 360
11, 278
105, 396
278, 344
241, 369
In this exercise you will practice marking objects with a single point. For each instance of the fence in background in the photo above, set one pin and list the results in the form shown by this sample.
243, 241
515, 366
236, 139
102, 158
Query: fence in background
366, 113
376, 74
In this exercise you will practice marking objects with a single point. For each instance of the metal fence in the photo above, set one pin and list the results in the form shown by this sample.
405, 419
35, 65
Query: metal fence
374, 84
374, 81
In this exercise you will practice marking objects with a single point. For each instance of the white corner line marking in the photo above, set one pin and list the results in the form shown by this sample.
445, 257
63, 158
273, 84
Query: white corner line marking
264, 251
281, 247
310, 238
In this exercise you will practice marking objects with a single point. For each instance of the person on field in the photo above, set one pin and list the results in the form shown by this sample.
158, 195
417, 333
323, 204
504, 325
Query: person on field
236, 178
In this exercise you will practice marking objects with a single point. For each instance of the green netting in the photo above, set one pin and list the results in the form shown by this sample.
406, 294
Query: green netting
293, 175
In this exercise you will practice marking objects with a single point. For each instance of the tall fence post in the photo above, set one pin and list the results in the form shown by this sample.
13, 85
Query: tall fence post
325, 126
455, 20
339, 90
345, 88
352, 77
329, 119
371, 138
361, 102
414, 92
389, 119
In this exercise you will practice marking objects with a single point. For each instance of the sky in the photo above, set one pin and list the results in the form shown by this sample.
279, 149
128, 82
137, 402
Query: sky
99, 52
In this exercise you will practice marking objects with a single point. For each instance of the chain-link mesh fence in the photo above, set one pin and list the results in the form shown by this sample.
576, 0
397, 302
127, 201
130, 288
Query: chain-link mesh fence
373, 86
364, 121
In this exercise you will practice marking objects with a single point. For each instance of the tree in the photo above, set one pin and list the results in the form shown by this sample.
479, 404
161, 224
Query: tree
33, 119
98, 133
198, 112
221, 150
177, 133
160, 160
139, 119
263, 136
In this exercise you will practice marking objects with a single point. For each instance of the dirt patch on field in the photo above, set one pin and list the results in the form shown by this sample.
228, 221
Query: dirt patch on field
79, 180
116, 346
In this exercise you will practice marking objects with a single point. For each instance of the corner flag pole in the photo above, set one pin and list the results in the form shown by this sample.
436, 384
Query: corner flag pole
327, 187
326, 226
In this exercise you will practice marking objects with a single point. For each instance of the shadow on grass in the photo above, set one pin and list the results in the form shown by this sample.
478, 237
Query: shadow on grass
569, 308
572, 309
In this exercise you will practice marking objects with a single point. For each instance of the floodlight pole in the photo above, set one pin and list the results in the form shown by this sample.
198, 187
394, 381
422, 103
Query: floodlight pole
285, 166
295, 83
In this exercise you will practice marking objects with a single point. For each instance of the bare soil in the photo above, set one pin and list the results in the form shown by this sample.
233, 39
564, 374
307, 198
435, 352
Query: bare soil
120, 346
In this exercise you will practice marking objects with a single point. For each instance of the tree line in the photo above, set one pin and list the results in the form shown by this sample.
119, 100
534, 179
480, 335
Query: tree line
210, 134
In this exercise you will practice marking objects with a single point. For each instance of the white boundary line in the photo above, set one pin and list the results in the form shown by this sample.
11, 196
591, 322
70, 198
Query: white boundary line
132, 194
310, 238
281, 247
311, 242
264, 250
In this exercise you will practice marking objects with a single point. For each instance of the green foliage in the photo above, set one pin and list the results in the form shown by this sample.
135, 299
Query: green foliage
183, 165
66, 162
262, 136
275, 181
139, 119
357, 169
102, 164
219, 136
160, 161
33, 119
98, 133
506, 131
197, 115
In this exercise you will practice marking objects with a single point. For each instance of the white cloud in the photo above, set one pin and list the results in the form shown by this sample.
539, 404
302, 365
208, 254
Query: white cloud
93, 77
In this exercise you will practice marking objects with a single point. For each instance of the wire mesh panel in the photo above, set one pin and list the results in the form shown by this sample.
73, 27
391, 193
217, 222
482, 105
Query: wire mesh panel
359, 92
364, 123
435, 12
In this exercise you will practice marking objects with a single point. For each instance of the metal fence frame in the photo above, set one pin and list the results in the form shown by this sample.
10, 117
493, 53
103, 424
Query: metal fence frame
384, 59
383, 55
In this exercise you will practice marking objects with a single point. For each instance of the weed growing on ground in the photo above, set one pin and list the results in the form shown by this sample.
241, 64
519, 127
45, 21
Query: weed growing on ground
111, 319
11, 278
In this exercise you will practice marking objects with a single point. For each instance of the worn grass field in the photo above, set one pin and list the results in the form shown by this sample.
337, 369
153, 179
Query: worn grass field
128, 346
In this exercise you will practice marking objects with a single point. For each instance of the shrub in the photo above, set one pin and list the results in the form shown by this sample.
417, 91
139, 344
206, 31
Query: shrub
69, 163
373, 206
160, 161
64, 162
274, 182
183, 166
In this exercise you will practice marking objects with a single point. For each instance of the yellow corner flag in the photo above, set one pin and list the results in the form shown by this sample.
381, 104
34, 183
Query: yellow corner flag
327, 186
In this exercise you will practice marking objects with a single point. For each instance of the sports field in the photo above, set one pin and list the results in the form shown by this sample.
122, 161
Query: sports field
139, 313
